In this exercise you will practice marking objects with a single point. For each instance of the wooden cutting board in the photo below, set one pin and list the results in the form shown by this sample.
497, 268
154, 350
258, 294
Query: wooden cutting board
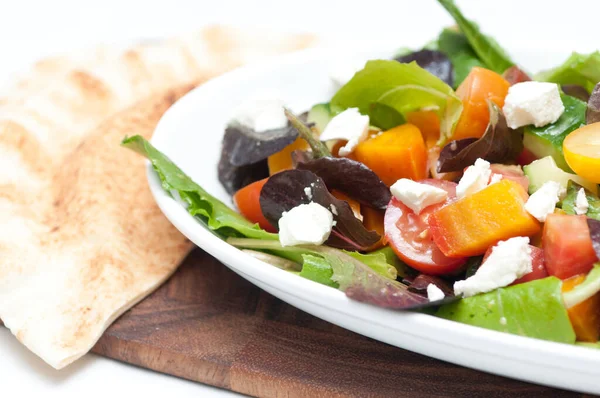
209, 325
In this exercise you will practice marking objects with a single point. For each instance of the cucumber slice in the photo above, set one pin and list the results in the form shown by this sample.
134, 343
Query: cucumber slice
545, 169
548, 140
320, 115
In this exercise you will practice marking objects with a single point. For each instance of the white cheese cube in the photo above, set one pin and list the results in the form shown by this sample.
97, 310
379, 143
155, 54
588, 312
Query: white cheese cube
474, 179
534, 103
261, 113
543, 201
434, 293
342, 72
581, 203
350, 126
417, 196
306, 224
509, 260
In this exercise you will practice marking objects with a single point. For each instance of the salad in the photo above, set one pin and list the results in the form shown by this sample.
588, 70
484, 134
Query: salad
445, 180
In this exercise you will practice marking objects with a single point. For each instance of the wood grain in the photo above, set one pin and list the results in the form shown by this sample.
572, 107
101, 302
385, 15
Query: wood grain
209, 325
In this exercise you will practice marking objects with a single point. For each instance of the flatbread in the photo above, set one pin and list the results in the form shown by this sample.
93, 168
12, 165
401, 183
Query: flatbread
81, 239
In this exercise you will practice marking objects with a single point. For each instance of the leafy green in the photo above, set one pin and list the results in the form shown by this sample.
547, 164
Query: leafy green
568, 203
595, 345
317, 269
456, 47
532, 309
392, 259
486, 48
402, 87
548, 140
589, 287
218, 217
377, 262
580, 69
499, 144
354, 277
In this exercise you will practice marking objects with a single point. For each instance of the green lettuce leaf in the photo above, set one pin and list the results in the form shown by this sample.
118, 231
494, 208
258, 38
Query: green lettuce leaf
548, 140
589, 287
217, 216
378, 262
486, 48
580, 69
533, 309
317, 269
355, 278
568, 203
401, 87
456, 47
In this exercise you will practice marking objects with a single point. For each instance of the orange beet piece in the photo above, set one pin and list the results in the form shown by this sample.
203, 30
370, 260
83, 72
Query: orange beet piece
282, 160
480, 85
469, 226
585, 316
396, 153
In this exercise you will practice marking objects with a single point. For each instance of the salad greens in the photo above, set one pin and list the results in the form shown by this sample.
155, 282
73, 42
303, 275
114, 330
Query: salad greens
287, 189
592, 114
533, 309
317, 269
218, 217
350, 177
580, 69
499, 144
362, 281
548, 140
403, 87
568, 203
455, 45
433, 61
486, 48
589, 287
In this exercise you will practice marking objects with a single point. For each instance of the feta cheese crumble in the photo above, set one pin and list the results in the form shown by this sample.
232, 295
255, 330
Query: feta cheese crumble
342, 72
349, 125
495, 178
417, 196
434, 293
261, 113
308, 193
543, 201
581, 203
474, 179
536, 103
509, 260
305, 224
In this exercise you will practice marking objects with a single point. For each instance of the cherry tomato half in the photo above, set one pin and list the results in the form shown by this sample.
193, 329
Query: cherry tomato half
408, 234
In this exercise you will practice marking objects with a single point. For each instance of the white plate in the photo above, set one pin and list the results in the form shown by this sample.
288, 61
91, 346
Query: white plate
190, 134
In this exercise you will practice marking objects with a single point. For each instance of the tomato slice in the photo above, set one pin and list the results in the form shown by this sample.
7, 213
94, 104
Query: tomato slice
408, 234
247, 201
567, 245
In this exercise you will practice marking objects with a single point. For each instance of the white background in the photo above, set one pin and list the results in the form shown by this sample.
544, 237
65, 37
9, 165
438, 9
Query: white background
31, 29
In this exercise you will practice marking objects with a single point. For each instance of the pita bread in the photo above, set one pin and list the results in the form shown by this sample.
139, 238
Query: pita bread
81, 239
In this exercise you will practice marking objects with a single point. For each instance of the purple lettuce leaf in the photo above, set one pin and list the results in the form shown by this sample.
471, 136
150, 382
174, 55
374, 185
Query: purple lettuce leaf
499, 144
594, 226
420, 283
285, 190
592, 114
350, 177
434, 62
577, 91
